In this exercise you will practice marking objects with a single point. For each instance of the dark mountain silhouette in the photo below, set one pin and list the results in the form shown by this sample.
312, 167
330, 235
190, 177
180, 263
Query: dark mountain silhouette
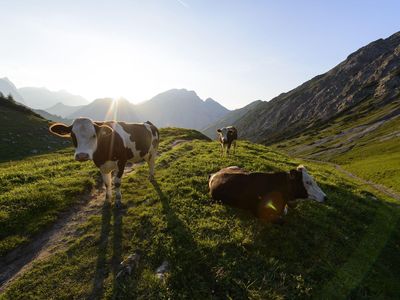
176, 107
181, 108
108, 109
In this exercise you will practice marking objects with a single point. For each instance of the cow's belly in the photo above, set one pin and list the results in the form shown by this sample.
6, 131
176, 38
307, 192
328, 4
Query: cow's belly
108, 166
138, 158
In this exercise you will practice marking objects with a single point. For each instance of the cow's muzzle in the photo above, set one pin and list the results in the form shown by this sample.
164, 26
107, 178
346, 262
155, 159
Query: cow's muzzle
82, 157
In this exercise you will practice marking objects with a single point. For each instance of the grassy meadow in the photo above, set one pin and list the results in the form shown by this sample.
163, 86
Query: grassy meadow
33, 191
345, 248
347, 140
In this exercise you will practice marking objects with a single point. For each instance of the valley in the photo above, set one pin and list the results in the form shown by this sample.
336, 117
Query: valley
347, 244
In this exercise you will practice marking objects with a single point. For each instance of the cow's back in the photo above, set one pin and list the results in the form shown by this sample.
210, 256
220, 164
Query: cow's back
140, 139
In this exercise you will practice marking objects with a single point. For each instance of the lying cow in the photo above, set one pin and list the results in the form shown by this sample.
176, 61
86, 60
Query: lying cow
266, 195
110, 145
227, 136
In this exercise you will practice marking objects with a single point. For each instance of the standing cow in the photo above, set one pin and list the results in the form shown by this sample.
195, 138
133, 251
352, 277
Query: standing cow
266, 195
227, 136
110, 145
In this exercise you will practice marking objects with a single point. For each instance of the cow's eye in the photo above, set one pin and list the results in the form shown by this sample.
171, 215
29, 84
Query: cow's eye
93, 136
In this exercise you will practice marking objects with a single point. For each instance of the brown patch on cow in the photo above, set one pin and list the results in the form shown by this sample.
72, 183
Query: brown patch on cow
109, 147
154, 129
140, 135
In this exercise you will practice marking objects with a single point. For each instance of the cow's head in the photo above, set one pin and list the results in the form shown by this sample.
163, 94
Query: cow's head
84, 133
305, 184
224, 133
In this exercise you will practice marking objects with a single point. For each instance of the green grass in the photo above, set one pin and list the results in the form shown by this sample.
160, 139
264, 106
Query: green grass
345, 248
374, 156
33, 191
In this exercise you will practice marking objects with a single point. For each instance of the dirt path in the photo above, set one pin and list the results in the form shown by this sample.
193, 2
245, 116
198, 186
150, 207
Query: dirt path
374, 185
54, 239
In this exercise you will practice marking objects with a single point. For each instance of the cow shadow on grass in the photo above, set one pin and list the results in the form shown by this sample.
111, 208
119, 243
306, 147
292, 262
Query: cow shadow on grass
188, 263
102, 264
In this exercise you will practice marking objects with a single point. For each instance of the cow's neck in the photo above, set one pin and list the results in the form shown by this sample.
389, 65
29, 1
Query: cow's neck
106, 149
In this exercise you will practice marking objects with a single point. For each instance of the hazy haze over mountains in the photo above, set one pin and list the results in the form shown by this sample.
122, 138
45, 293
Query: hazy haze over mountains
43, 98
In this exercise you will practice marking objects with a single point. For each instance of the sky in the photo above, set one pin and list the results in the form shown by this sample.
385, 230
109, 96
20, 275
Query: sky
232, 51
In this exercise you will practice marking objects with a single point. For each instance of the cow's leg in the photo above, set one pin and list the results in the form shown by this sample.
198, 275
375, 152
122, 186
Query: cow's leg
107, 183
234, 147
228, 148
117, 182
151, 162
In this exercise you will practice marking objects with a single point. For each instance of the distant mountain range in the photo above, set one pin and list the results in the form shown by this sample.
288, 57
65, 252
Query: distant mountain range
39, 98
175, 107
42, 98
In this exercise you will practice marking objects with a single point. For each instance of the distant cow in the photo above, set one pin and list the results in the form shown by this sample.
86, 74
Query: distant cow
110, 145
227, 136
266, 195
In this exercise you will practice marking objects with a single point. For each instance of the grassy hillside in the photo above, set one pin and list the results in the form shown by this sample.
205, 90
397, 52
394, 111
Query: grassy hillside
33, 191
347, 247
365, 141
24, 133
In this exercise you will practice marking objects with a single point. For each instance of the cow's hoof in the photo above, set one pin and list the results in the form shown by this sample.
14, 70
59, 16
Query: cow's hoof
151, 178
118, 203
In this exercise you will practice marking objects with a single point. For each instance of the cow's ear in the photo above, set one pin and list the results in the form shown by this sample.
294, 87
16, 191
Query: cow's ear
60, 129
103, 130
218, 130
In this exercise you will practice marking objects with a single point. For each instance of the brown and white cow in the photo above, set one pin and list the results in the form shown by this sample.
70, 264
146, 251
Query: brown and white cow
110, 145
266, 195
227, 136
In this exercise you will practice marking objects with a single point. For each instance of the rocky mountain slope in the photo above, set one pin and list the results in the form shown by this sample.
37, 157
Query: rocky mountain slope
372, 73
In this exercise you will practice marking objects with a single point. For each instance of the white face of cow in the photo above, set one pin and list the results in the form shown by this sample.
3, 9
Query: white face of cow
84, 134
223, 132
312, 188
83, 130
